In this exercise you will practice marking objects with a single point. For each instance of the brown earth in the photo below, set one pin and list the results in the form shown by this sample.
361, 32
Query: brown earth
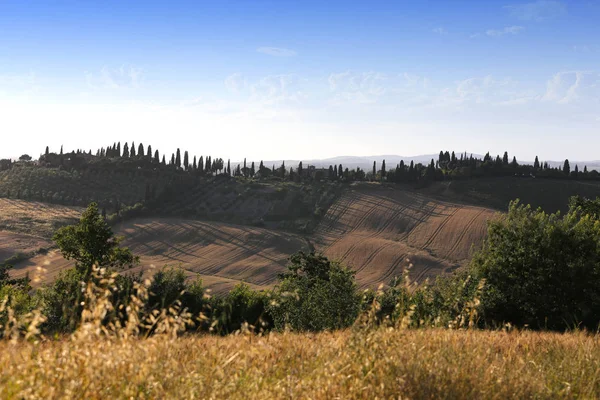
27, 226
378, 231
35, 218
222, 255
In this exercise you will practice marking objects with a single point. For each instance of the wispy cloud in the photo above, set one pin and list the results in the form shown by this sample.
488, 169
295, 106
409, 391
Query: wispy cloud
537, 11
440, 30
570, 86
361, 88
509, 30
277, 51
270, 90
124, 77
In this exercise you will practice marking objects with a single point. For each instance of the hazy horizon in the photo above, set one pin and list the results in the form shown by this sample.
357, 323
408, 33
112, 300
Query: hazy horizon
272, 81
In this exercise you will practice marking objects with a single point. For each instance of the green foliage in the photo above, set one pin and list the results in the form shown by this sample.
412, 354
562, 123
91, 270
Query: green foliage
61, 301
541, 270
241, 305
92, 242
167, 286
315, 294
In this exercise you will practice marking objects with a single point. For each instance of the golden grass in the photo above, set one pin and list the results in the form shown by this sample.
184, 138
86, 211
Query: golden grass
347, 364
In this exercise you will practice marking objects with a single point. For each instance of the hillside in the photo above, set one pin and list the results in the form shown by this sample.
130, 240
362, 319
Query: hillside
378, 231
230, 229
223, 255
381, 230
550, 194
26, 227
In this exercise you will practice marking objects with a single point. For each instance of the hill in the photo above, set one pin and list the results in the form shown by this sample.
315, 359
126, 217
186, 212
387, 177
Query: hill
376, 230
26, 227
380, 230
550, 194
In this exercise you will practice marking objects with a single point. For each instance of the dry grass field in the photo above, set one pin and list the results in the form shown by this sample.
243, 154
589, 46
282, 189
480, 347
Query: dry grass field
378, 231
351, 364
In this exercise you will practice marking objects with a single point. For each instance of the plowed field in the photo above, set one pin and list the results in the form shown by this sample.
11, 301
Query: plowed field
378, 231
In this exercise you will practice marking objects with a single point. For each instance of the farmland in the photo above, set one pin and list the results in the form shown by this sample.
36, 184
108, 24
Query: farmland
227, 231
377, 231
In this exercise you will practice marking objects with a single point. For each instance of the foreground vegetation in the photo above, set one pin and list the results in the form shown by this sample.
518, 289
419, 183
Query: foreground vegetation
354, 363
120, 336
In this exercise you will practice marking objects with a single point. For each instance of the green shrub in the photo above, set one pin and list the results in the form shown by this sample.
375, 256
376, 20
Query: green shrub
61, 301
315, 294
541, 270
167, 286
241, 305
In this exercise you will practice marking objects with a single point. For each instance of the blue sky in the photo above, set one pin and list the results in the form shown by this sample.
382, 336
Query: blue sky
302, 80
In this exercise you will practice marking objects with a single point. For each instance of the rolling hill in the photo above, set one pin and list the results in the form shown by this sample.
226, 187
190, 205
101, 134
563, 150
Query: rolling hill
376, 230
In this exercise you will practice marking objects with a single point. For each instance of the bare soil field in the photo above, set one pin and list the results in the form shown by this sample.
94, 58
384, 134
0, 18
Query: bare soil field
222, 255
35, 218
27, 226
379, 231
376, 230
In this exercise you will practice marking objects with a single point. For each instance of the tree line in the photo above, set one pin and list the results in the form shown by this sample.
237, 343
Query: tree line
448, 166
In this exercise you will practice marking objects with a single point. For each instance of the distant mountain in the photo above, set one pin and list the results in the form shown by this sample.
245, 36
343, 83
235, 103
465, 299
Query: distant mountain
366, 162
363, 162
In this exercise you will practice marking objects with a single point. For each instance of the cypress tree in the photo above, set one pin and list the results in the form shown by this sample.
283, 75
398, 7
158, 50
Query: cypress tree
141, 151
47, 150
335, 170
186, 160
195, 164
228, 167
61, 150
156, 157
149, 152
244, 169
566, 168
536, 163
172, 159
178, 159
332, 172
252, 171
300, 168
340, 171
126, 150
207, 165
164, 162
119, 149
374, 169
505, 158
382, 169
132, 150
201, 164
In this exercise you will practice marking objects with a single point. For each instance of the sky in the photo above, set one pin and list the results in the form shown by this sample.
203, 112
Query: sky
302, 80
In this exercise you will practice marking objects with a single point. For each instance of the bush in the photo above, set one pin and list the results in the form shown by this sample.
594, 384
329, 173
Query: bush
241, 305
167, 286
314, 295
61, 301
541, 270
